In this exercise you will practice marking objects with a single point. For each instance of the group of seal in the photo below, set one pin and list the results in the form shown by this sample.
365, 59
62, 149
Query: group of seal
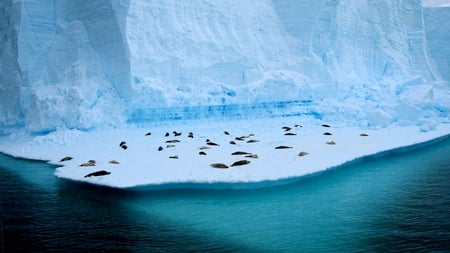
170, 143
242, 138
123, 145
224, 166
90, 163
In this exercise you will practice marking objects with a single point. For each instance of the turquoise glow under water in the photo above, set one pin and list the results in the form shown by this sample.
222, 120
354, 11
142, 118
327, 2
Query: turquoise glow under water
390, 203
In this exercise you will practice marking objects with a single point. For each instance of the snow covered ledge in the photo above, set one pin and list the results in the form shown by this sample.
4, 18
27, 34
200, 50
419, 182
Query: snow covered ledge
146, 159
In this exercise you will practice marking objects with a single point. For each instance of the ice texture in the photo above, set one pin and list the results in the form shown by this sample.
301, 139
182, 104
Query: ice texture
437, 22
93, 63
10, 74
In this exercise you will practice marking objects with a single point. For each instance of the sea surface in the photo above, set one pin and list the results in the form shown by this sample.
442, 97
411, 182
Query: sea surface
398, 202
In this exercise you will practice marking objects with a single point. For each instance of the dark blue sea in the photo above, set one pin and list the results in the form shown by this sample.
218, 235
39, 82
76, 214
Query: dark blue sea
399, 202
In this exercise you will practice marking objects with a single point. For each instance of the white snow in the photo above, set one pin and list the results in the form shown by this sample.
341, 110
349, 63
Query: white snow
142, 166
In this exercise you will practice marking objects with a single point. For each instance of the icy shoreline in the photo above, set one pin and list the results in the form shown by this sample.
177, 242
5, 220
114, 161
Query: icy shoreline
143, 166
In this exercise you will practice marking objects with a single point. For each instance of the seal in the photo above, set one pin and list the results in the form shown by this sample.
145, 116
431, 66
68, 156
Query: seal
286, 128
331, 142
252, 156
325, 125
88, 163
66, 158
240, 153
114, 162
327, 133
282, 147
240, 162
290, 134
191, 135
147, 134
226, 133
202, 153
98, 173
175, 133
160, 148
252, 141
302, 153
232, 142
363, 134
173, 157
212, 143
219, 166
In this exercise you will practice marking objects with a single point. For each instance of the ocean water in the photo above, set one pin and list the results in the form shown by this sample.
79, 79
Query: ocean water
397, 202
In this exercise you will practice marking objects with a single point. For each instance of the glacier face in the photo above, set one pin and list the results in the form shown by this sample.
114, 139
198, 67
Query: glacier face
10, 74
83, 64
437, 22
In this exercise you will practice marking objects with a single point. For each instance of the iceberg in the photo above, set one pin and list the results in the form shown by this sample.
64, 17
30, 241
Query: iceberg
263, 154
91, 70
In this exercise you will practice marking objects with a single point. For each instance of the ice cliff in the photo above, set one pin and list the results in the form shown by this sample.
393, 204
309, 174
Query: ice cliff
83, 64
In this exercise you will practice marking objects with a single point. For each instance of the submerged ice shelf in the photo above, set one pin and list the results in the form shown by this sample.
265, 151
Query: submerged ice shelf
309, 148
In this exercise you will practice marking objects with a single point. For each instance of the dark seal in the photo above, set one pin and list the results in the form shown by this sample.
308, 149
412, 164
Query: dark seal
240, 162
98, 173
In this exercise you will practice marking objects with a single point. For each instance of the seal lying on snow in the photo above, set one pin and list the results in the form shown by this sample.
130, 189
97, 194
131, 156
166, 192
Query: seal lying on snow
88, 163
219, 166
66, 158
240, 162
240, 153
98, 173
282, 147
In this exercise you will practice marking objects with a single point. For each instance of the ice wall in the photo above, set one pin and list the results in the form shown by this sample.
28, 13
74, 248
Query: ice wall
10, 74
222, 51
437, 23
74, 64
82, 64
209, 52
